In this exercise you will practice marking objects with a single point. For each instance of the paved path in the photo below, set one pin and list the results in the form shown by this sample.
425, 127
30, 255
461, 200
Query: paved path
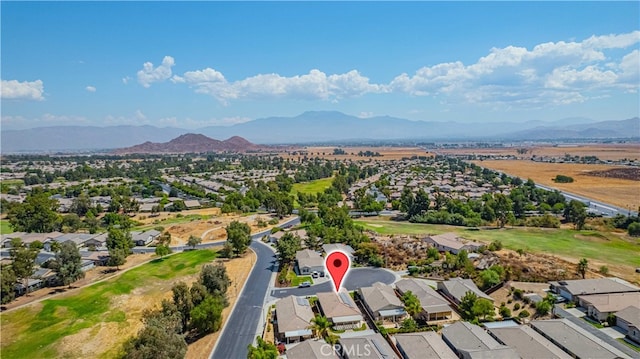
240, 329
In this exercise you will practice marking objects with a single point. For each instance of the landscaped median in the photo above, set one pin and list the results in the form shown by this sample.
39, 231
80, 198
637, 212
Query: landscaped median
96, 320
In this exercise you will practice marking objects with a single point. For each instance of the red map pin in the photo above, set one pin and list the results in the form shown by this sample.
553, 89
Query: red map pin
337, 264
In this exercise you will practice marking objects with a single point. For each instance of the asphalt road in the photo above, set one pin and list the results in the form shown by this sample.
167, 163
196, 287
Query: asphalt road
357, 277
606, 210
240, 329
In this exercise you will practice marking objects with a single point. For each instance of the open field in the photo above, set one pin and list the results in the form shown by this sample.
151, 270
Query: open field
388, 153
95, 321
5, 227
616, 250
602, 151
623, 193
312, 187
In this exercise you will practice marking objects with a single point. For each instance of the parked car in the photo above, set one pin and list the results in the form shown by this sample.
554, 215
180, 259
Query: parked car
315, 274
304, 285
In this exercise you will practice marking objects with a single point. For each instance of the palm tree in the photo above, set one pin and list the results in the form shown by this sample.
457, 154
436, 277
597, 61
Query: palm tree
412, 304
321, 326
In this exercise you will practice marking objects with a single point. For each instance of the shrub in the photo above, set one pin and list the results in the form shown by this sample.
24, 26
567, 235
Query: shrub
634, 229
604, 270
505, 312
563, 179
524, 314
516, 306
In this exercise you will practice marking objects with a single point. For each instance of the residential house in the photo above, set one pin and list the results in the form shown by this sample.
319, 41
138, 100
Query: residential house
381, 302
457, 288
99, 242
450, 242
571, 289
86, 264
144, 238
434, 307
628, 319
46, 275
372, 346
99, 258
275, 237
340, 309
309, 261
312, 349
76, 238
528, 343
330, 247
575, 340
470, 341
600, 306
293, 319
423, 345
192, 204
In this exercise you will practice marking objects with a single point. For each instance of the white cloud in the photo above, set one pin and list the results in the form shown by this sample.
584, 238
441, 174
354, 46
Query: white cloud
550, 73
150, 74
126, 79
365, 114
90, 88
27, 90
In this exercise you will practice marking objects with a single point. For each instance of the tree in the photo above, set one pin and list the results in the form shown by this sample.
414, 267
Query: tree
287, 246
576, 213
119, 239
198, 293
207, 316
263, 350
483, 307
23, 261
162, 250
183, 302
320, 326
161, 336
194, 241
7, 284
215, 279
409, 325
583, 264
634, 229
36, 214
239, 235
69, 263
116, 258
81, 205
502, 208
489, 278
412, 304
466, 305
543, 308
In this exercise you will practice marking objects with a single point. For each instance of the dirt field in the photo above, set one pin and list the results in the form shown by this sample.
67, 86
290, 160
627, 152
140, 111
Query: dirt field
212, 229
602, 151
619, 192
238, 270
388, 153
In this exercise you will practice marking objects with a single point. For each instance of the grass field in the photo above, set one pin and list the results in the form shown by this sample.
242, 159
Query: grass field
34, 331
312, 187
618, 192
5, 227
604, 247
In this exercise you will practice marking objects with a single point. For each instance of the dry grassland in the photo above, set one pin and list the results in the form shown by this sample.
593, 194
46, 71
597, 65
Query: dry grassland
619, 192
388, 153
602, 151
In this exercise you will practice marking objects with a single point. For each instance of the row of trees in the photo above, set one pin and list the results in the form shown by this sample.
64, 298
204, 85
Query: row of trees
191, 313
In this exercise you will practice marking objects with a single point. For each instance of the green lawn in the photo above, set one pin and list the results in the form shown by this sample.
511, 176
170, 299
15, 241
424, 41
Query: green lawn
5, 227
312, 187
601, 246
32, 332
296, 280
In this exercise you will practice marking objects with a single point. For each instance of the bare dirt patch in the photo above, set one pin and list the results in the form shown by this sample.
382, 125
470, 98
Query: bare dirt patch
387, 153
622, 173
604, 152
213, 229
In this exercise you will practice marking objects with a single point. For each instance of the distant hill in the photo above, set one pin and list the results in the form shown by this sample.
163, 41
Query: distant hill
192, 143
315, 126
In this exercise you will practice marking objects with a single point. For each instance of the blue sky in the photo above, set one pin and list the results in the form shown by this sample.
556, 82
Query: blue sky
218, 63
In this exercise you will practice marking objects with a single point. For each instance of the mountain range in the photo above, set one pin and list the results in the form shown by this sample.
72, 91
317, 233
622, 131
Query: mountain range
315, 127
192, 143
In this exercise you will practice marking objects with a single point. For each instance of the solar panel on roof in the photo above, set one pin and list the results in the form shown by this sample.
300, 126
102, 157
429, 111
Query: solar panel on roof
380, 348
302, 301
346, 299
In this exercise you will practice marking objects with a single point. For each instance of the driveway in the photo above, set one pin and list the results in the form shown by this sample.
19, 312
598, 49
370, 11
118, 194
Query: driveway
357, 277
